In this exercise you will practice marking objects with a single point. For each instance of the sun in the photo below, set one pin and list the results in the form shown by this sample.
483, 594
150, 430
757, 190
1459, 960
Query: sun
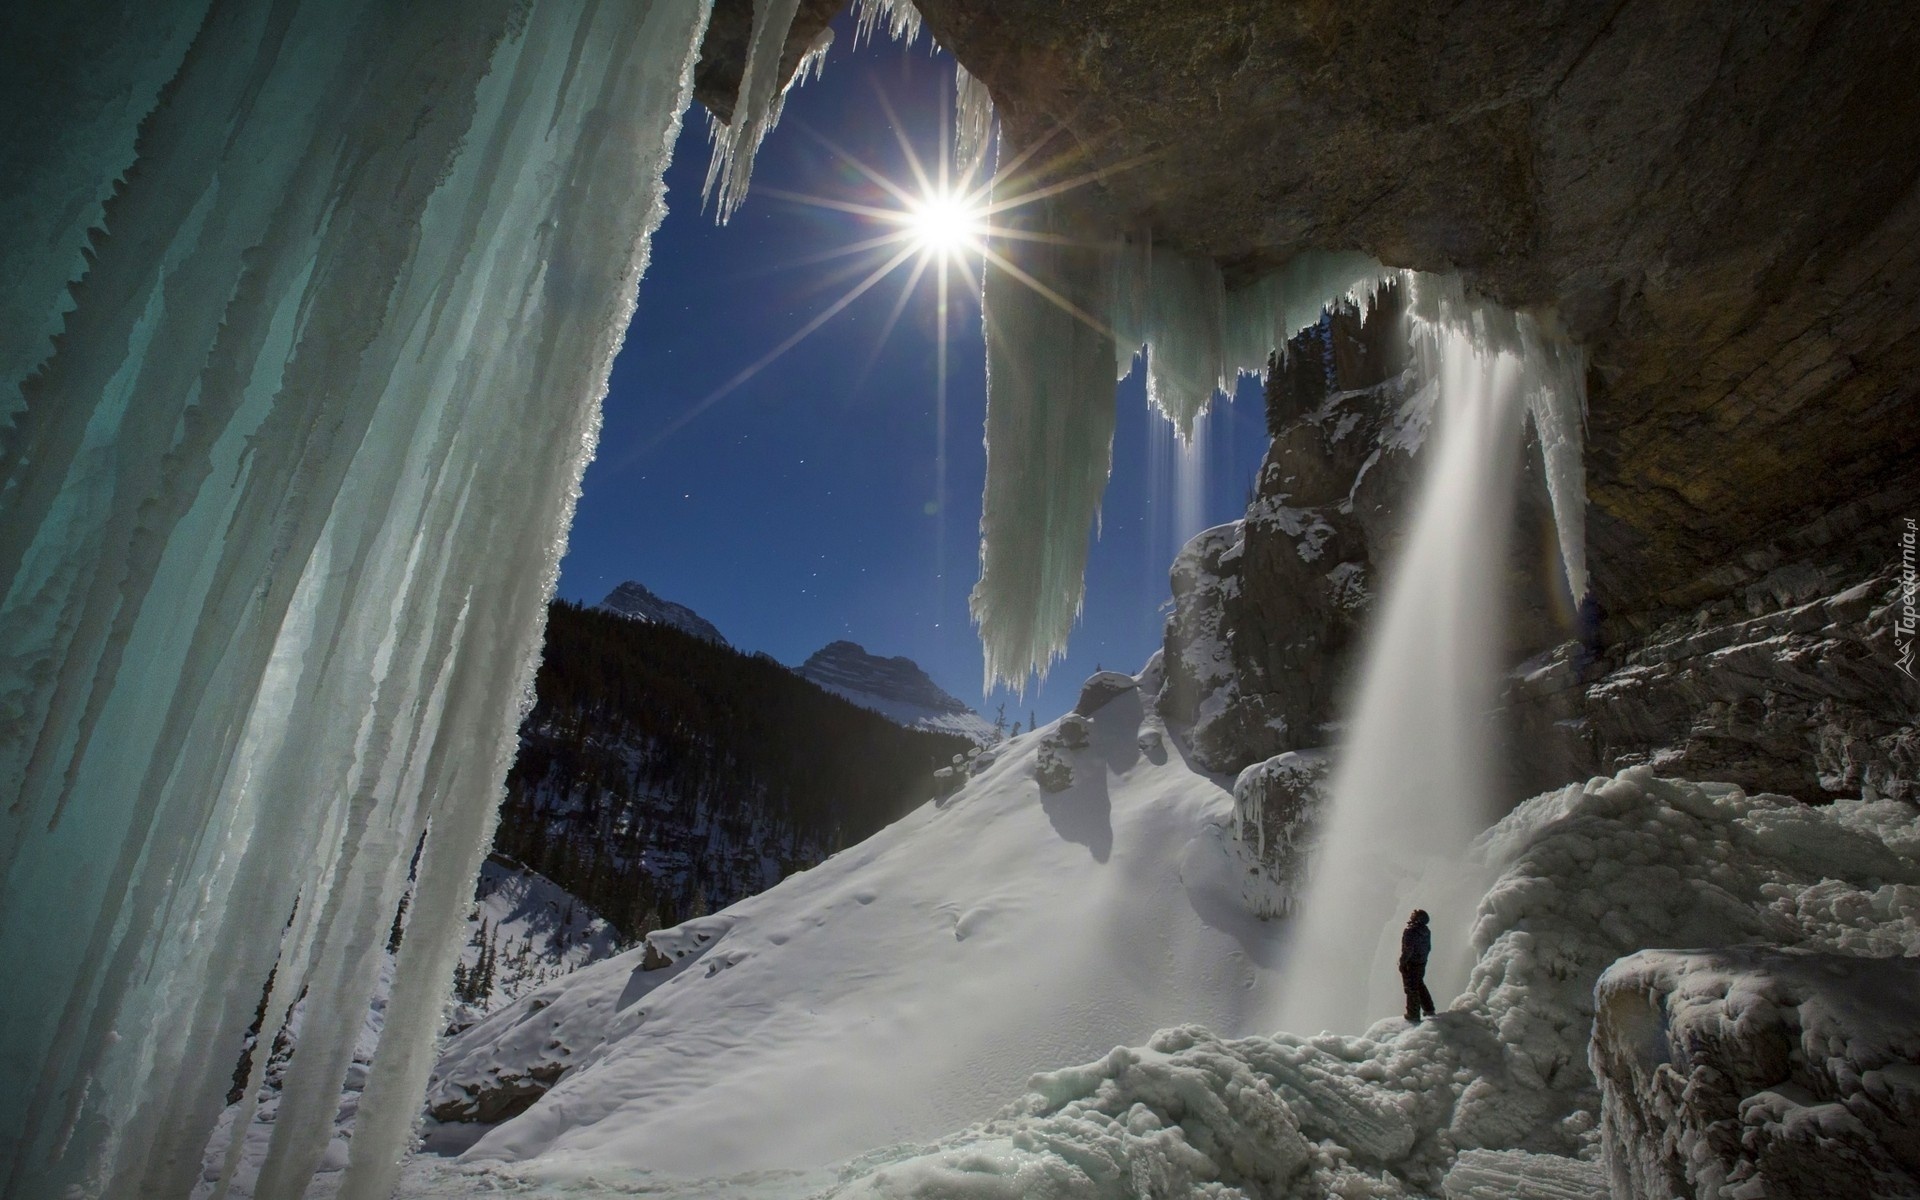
945, 222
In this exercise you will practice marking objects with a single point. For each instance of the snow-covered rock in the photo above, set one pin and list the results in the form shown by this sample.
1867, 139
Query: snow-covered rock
1276, 810
633, 600
1756, 1073
896, 688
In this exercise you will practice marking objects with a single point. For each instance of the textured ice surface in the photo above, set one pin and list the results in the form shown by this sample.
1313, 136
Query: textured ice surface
280, 512
1754, 1073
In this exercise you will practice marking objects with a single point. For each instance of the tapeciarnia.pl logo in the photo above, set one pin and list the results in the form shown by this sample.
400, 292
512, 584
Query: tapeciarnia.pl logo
1904, 618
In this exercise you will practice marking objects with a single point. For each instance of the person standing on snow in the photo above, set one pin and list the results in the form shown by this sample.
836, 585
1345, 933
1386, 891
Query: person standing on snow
1416, 942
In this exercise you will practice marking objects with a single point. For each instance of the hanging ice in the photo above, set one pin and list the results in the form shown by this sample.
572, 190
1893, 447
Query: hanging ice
757, 106
279, 513
972, 124
900, 18
1049, 444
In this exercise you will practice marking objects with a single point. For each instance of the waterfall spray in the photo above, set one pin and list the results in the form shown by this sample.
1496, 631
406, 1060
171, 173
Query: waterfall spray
1411, 789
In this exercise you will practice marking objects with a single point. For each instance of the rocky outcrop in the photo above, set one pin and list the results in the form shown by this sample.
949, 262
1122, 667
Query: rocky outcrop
1755, 1072
1792, 687
1276, 812
1719, 201
1053, 763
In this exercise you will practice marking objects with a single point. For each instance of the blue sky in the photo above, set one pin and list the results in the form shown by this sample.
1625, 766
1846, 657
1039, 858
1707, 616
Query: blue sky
803, 506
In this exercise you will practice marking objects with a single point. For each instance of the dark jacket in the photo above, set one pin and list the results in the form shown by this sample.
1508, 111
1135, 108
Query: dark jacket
1416, 942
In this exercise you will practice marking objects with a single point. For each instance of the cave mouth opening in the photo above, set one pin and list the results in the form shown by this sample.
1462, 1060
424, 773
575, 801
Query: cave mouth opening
286, 498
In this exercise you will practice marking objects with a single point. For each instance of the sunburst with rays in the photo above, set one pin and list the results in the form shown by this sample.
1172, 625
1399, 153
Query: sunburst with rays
946, 220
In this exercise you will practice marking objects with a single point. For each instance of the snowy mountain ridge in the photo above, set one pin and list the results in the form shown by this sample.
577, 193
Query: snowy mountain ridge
896, 688
632, 599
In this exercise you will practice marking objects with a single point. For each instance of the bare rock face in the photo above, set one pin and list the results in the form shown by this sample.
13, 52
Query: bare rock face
1722, 202
1755, 1072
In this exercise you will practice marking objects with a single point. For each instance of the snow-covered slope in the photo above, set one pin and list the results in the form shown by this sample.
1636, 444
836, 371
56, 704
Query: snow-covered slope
631, 599
927, 970
905, 986
896, 688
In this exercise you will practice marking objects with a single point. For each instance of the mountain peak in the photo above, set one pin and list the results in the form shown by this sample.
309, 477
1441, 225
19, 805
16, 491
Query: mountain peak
895, 687
634, 601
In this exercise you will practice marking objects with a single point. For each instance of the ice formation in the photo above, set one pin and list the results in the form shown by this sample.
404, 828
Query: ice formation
899, 17
281, 507
972, 124
1050, 419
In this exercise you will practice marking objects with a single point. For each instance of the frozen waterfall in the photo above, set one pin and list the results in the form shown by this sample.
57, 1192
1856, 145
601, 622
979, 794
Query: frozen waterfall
336, 285
1411, 787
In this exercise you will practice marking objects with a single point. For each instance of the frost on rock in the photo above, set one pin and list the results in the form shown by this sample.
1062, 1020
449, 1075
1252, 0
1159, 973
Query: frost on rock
1753, 1073
1495, 1092
282, 507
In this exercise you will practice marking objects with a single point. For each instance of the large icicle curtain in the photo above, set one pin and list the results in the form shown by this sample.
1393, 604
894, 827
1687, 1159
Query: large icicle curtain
309, 306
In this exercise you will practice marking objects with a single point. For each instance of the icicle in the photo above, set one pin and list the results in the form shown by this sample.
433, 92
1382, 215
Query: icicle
1200, 338
901, 18
278, 520
756, 109
972, 125
1050, 421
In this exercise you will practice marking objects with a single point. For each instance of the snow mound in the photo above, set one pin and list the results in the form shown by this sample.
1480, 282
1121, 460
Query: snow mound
1493, 1096
902, 988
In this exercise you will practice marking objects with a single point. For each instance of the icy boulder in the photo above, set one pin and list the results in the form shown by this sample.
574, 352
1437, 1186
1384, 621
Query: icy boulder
1758, 1072
1276, 807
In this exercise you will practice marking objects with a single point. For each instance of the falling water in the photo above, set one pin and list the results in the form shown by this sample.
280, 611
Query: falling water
1411, 789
